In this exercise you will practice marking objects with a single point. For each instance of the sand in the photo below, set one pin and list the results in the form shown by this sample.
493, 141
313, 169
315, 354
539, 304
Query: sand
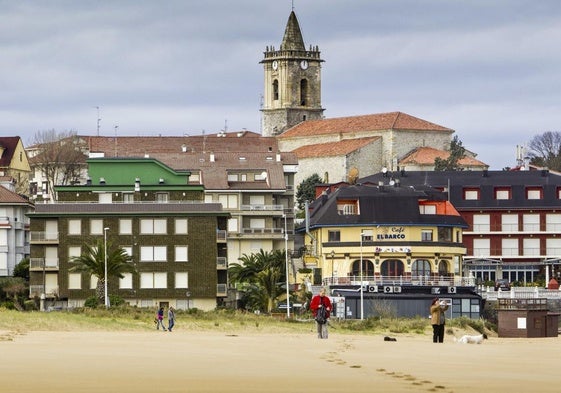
184, 361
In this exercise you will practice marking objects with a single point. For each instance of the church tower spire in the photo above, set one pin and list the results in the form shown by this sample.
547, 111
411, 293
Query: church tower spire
292, 91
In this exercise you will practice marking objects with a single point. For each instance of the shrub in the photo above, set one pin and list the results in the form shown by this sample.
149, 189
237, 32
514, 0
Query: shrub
91, 302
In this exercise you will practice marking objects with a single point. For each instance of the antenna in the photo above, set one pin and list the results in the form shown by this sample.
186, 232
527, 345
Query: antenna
115, 140
98, 119
292, 5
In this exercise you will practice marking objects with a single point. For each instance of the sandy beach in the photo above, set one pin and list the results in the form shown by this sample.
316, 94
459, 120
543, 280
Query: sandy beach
186, 361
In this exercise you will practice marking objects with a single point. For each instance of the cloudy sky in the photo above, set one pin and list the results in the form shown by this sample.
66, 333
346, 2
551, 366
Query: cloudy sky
490, 70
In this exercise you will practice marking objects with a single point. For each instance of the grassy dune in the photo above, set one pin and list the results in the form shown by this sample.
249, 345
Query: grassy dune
133, 319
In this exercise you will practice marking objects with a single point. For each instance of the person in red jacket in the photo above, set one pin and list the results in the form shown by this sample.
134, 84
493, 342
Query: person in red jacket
321, 308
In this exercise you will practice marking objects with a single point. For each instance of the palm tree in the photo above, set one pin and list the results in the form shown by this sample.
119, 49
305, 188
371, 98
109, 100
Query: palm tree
262, 276
92, 262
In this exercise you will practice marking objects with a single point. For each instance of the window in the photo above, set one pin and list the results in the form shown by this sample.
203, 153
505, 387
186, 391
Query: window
153, 254
303, 92
509, 222
426, 235
74, 251
260, 176
74, 227
257, 200
367, 235
74, 281
232, 177
531, 222
510, 246
275, 90
228, 201
334, 236
257, 223
444, 234
471, 194
128, 198
502, 193
553, 222
181, 226
481, 247
126, 281
153, 280
128, 250
233, 225
420, 267
181, 280
125, 226
481, 223
96, 227
531, 247
105, 197
348, 207
93, 282
149, 226
427, 209
181, 254
552, 247
162, 197
534, 193
208, 198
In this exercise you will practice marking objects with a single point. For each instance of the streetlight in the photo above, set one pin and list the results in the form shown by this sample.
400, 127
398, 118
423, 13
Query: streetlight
332, 265
105, 256
286, 267
188, 295
361, 283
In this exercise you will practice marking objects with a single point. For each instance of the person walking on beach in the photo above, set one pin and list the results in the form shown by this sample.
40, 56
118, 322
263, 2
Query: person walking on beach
438, 319
160, 318
171, 318
321, 308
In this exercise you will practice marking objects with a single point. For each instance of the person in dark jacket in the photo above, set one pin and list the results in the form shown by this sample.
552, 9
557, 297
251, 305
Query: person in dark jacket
160, 318
321, 304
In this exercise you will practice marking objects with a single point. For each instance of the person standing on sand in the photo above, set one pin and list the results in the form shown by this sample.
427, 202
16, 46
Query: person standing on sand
321, 308
171, 318
160, 318
438, 319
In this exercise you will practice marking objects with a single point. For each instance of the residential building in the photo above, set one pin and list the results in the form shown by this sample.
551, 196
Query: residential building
243, 171
14, 227
513, 217
13, 163
388, 240
177, 242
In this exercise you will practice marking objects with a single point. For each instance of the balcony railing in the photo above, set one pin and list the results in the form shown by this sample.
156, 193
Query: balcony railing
221, 235
44, 237
47, 263
37, 290
222, 263
401, 280
258, 207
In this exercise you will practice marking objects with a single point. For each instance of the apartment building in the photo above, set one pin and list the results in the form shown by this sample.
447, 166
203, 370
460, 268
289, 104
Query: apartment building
177, 242
513, 217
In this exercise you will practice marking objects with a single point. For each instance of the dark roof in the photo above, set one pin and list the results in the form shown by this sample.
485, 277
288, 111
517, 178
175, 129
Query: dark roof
487, 182
379, 206
292, 39
11, 198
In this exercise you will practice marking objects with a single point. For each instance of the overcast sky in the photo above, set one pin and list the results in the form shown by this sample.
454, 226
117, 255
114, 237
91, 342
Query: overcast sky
489, 69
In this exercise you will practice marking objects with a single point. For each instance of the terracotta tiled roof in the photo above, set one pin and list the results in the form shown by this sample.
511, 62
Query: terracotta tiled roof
427, 155
330, 149
9, 197
9, 143
375, 122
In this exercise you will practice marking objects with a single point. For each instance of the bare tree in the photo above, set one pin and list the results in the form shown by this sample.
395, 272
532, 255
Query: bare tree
545, 150
58, 158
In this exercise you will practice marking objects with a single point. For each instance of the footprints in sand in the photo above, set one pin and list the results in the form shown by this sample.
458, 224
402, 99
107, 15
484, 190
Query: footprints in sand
408, 378
416, 383
8, 336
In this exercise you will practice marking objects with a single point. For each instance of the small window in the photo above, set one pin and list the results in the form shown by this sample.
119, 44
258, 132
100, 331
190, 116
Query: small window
367, 235
125, 226
74, 227
534, 193
334, 236
162, 197
232, 177
426, 235
471, 194
128, 198
181, 226
502, 193
181, 254
275, 90
427, 209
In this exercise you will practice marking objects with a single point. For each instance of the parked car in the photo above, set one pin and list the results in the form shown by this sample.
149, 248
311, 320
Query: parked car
503, 284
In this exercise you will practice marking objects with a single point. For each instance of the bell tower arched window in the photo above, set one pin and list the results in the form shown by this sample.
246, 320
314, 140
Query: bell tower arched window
303, 92
275, 90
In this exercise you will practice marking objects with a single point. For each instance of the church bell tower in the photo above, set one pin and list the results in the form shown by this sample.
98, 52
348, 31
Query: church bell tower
292, 92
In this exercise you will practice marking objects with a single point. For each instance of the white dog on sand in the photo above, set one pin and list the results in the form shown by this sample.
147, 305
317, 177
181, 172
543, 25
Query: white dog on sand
467, 339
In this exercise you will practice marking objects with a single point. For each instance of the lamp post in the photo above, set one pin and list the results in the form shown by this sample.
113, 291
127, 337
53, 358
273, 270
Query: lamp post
188, 295
105, 265
361, 283
332, 265
286, 267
